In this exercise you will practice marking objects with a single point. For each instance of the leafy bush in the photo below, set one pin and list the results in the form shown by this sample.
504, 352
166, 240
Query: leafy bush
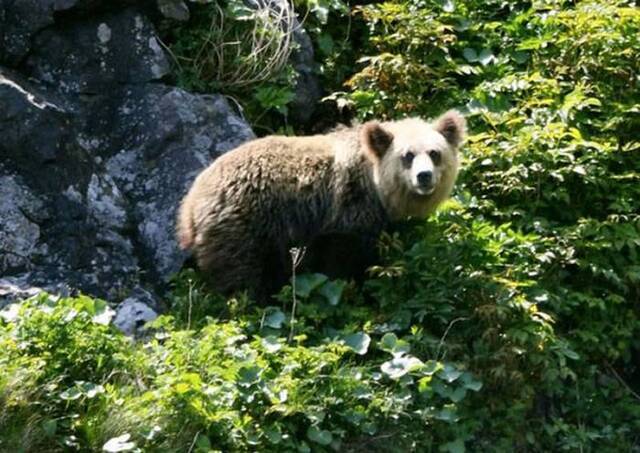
232, 385
539, 257
241, 49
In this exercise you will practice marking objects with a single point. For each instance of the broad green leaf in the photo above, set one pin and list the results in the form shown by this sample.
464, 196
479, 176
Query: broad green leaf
469, 382
400, 365
120, 443
332, 291
271, 344
359, 342
319, 436
424, 384
432, 366
486, 56
274, 319
203, 443
274, 436
449, 373
457, 446
449, 6
470, 55
458, 394
249, 374
306, 283
49, 427
448, 413
71, 394
390, 343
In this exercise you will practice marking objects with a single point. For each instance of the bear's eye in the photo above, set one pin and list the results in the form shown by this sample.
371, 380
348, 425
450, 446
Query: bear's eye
435, 156
408, 157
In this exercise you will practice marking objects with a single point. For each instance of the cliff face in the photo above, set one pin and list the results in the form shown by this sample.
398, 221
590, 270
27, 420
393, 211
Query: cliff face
96, 150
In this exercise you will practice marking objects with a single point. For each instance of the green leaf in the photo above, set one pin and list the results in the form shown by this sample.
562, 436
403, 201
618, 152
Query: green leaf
325, 43
449, 373
448, 6
519, 57
203, 443
306, 283
332, 291
358, 342
49, 427
571, 354
424, 384
390, 343
399, 366
458, 394
470, 55
457, 446
239, 11
71, 394
273, 435
486, 57
90, 389
182, 388
248, 375
431, 367
274, 319
319, 436
271, 344
470, 383
117, 444
448, 413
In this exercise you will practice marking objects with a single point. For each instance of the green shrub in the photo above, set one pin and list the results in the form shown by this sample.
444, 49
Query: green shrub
539, 259
233, 386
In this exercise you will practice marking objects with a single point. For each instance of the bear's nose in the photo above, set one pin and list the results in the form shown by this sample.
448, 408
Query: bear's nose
424, 178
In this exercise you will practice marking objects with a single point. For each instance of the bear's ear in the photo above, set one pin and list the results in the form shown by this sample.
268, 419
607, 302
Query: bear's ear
376, 139
453, 127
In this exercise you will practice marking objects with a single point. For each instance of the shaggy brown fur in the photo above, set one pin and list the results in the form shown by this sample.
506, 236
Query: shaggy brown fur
245, 211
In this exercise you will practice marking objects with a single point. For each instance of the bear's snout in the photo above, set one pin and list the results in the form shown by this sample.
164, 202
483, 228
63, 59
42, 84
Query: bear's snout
425, 178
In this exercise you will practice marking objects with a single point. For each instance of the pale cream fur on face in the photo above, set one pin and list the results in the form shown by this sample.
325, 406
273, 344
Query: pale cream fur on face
396, 180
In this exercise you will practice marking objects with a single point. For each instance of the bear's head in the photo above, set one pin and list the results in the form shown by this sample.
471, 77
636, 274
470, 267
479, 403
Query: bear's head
415, 163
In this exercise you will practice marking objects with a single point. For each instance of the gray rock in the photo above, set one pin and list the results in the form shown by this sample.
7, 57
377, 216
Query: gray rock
19, 232
96, 154
94, 55
174, 9
179, 134
13, 289
132, 314
307, 90
21, 20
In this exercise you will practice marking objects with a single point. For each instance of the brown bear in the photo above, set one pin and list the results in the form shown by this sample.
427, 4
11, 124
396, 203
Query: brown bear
247, 209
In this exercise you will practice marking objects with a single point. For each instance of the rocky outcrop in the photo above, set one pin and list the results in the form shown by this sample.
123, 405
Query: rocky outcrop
96, 150
308, 91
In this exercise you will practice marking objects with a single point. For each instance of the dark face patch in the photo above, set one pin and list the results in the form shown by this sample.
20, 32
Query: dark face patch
436, 157
407, 159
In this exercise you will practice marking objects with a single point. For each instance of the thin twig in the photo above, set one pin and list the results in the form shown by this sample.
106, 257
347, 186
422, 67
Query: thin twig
621, 381
193, 444
446, 332
297, 253
190, 304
